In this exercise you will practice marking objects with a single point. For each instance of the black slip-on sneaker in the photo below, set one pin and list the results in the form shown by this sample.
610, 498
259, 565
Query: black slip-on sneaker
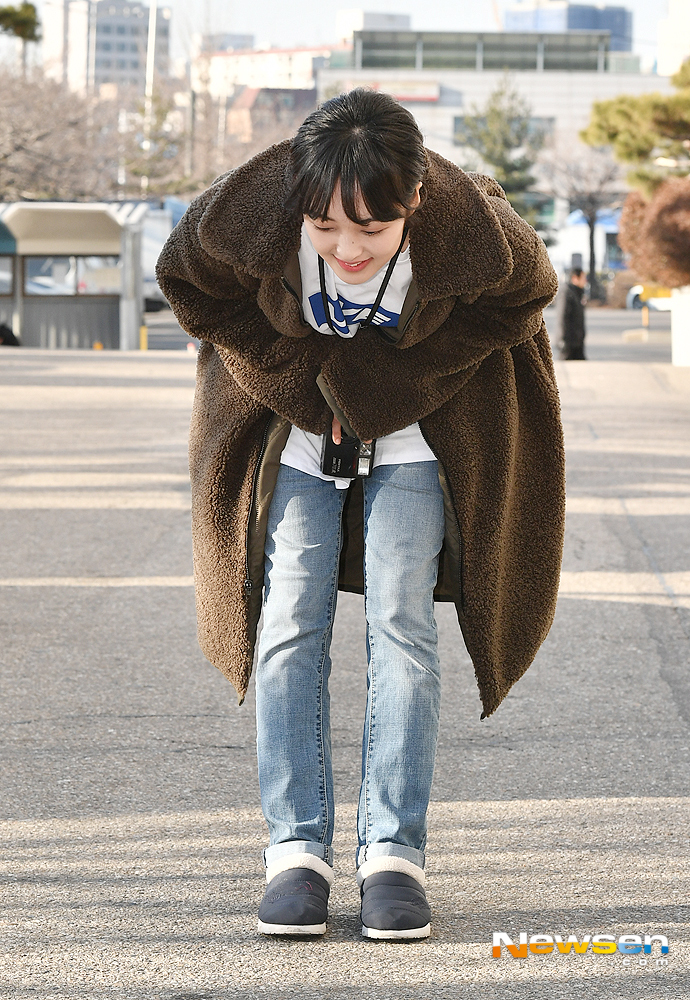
295, 902
394, 907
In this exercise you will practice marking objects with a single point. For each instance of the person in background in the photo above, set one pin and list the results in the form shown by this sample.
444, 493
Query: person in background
572, 343
7, 338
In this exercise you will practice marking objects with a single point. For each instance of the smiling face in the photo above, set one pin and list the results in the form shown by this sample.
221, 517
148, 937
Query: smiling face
356, 251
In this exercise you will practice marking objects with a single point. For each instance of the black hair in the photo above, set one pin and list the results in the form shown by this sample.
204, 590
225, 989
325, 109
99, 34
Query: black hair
576, 272
368, 142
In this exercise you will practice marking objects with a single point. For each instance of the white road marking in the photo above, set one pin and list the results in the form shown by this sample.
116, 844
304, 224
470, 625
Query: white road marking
635, 506
98, 581
95, 500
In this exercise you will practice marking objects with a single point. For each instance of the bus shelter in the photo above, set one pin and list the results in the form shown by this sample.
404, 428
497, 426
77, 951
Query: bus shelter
71, 273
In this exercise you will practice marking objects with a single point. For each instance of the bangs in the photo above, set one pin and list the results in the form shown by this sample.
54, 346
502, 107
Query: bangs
362, 173
366, 143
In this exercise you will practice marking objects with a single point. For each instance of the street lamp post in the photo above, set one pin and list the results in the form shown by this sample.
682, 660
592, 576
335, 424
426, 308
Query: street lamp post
148, 93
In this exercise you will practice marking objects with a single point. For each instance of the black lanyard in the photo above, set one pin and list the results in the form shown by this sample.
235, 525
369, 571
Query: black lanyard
384, 284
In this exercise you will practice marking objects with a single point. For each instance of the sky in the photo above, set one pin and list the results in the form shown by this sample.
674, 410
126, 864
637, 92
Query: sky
310, 22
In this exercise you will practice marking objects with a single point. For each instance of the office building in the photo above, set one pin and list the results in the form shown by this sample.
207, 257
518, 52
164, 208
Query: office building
560, 15
442, 77
88, 44
222, 74
581, 52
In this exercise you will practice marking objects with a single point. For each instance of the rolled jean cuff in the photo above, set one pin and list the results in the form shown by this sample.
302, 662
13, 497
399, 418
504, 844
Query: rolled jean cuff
387, 850
278, 851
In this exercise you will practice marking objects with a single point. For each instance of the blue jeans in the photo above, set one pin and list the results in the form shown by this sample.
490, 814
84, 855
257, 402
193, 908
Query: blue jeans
403, 532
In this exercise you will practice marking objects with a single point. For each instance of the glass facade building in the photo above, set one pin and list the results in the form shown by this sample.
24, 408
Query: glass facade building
559, 16
577, 51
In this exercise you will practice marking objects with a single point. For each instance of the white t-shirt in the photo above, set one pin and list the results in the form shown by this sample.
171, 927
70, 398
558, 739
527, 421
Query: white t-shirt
350, 305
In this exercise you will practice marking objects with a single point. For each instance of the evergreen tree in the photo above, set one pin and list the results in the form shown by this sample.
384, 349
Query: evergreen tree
22, 22
650, 133
505, 137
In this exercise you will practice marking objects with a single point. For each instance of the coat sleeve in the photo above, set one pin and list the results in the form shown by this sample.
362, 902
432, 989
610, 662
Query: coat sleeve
382, 388
214, 302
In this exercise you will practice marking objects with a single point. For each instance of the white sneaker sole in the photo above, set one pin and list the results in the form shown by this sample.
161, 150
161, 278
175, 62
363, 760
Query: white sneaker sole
406, 935
301, 929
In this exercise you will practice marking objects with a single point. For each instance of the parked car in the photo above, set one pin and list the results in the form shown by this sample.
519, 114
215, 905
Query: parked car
653, 296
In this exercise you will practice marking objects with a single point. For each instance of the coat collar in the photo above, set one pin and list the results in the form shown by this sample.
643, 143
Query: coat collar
457, 246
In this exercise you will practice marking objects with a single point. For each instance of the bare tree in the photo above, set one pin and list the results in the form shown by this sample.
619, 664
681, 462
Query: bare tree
56, 145
589, 180
164, 160
249, 122
53, 144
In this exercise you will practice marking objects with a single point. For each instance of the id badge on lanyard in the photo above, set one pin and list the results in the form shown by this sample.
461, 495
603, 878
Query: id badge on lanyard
352, 458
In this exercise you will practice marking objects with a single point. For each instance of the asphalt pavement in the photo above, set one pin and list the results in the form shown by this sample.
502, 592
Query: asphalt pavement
129, 818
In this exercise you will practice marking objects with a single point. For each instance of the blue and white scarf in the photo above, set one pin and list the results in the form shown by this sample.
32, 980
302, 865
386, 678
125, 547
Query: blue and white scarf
350, 304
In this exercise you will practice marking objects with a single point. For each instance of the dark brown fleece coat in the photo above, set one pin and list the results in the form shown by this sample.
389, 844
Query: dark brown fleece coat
473, 366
